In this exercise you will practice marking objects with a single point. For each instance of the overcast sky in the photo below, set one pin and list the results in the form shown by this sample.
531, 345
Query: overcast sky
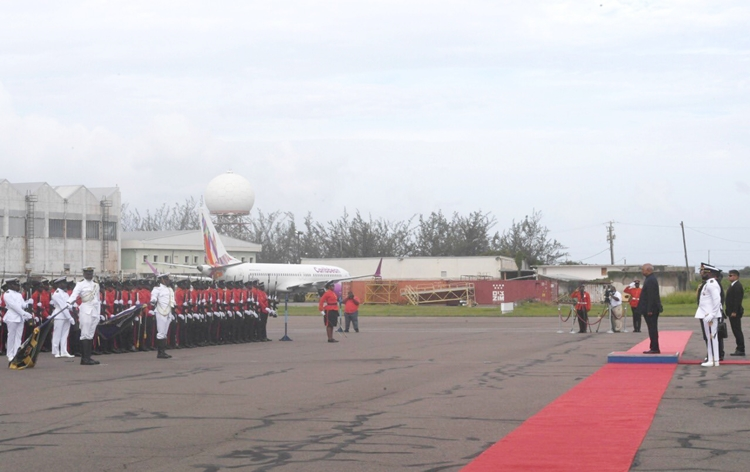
635, 112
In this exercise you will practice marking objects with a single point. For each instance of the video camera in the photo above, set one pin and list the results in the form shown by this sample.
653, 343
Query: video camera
608, 292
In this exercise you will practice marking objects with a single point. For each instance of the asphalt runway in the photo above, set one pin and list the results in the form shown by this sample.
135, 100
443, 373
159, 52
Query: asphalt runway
404, 394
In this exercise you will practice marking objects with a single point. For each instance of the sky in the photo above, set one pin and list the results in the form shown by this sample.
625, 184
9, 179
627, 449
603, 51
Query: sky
634, 112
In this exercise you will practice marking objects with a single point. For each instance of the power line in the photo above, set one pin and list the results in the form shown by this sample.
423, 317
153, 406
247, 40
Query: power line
717, 237
605, 250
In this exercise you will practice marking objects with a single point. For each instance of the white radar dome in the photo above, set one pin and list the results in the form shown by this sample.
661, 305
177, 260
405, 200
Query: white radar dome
229, 194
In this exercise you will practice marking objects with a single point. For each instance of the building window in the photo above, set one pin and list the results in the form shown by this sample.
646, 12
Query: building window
110, 231
250, 260
73, 229
243, 259
187, 259
56, 228
195, 259
166, 258
443, 273
16, 226
156, 258
145, 258
604, 271
92, 229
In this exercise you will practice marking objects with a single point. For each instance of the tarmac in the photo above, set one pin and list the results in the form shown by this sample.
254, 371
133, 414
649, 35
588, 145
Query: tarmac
403, 394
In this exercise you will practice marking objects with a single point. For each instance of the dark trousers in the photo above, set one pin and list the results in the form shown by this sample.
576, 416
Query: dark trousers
583, 318
652, 321
636, 319
736, 324
721, 340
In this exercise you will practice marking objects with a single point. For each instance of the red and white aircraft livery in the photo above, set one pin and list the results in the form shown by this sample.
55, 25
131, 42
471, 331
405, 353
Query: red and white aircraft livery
277, 277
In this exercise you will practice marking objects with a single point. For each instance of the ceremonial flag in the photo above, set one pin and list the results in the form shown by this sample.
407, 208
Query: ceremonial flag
112, 327
29, 350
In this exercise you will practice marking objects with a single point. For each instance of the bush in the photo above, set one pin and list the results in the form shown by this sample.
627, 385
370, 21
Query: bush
679, 298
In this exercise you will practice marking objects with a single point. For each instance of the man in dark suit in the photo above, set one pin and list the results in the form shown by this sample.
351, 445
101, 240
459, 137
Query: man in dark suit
734, 310
649, 306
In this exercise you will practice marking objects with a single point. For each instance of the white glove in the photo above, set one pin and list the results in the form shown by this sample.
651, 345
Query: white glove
72, 321
28, 302
182, 317
36, 319
323, 313
101, 318
709, 318
26, 316
39, 304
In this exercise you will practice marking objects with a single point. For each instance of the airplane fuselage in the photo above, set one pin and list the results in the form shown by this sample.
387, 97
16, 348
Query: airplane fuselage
279, 277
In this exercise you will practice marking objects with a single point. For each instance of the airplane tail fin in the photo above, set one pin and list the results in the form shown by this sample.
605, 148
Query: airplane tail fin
216, 254
377, 271
153, 269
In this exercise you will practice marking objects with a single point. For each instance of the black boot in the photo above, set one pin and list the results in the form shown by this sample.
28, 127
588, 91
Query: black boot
86, 356
161, 343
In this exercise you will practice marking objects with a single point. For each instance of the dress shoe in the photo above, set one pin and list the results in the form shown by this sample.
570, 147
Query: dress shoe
710, 364
737, 353
66, 355
332, 341
651, 351
58, 356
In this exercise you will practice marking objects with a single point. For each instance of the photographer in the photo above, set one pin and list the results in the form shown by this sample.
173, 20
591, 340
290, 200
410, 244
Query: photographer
351, 312
614, 299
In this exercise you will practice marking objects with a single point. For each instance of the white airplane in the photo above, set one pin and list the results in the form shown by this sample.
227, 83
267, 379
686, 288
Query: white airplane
277, 277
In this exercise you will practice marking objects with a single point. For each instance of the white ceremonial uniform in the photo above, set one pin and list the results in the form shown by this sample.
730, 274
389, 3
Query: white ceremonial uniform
13, 319
616, 306
88, 314
62, 324
163, 296
709, 312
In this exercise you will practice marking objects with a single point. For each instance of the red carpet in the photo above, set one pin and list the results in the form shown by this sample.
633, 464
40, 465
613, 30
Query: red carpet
598, 425
669, 341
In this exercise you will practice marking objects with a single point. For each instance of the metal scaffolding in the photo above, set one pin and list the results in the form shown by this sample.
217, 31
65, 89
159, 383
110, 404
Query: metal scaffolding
381, 292
440, 292
31, 200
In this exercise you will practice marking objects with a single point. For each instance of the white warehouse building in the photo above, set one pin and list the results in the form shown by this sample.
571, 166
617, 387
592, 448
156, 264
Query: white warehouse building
49, 231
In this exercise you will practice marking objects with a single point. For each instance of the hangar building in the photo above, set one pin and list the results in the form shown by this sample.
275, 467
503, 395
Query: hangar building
50, 231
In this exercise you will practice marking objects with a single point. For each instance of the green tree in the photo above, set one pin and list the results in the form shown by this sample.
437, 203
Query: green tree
529, 241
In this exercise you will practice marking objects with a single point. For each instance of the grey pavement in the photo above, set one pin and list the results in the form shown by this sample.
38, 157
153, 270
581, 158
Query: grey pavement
404, 394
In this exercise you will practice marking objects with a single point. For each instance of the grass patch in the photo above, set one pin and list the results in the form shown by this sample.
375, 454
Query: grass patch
525, 309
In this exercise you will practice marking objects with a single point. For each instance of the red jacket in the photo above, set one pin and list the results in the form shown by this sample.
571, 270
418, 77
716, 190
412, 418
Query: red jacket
582, 302
329, 301
635, 295
351, 305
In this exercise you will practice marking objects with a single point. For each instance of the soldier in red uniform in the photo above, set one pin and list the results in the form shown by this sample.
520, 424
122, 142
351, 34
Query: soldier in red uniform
329, 308
583, 306
634, 290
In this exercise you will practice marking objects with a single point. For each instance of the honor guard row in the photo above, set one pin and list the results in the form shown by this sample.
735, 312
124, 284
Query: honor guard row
196, 313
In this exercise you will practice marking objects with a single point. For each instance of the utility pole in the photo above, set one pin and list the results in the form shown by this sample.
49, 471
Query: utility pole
684, 247
611, 241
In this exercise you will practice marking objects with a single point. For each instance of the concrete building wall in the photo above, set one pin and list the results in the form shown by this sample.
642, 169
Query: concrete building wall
174, 247
58, 247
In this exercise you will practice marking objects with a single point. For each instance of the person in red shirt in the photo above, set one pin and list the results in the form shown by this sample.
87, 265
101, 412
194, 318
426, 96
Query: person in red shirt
329, 308
634, 290
583, 306
351, 312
